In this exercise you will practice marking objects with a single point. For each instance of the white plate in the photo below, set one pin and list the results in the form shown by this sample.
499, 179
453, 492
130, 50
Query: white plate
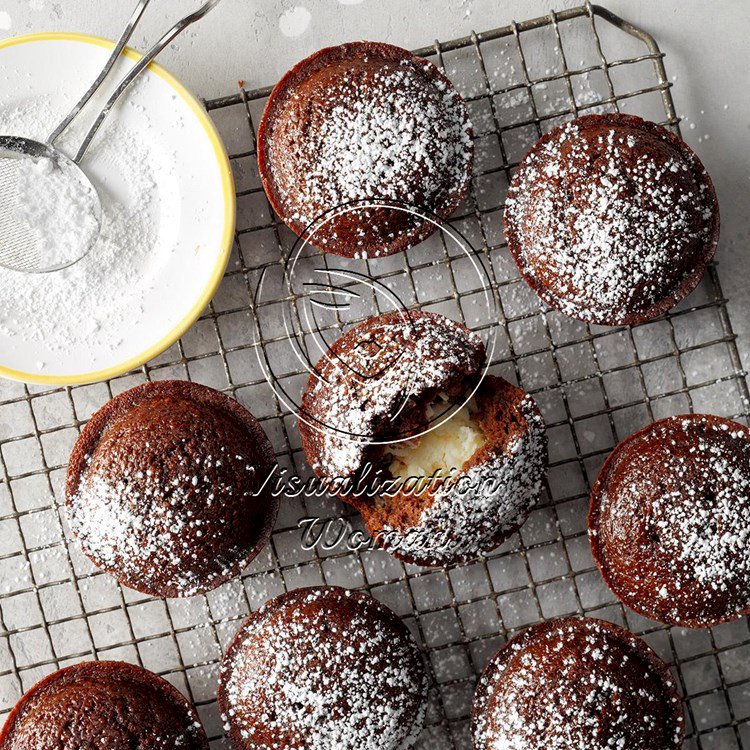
187, 228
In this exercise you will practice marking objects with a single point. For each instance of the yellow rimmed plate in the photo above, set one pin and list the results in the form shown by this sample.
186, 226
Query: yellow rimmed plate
192, 226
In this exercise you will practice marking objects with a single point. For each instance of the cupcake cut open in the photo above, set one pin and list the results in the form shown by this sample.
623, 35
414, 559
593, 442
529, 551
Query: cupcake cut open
443, 463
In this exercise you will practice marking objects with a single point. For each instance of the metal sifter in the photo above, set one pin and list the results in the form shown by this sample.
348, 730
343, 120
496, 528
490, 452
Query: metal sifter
21, 247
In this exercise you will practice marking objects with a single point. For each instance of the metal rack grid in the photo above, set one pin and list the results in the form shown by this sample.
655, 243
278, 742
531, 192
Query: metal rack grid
595, 386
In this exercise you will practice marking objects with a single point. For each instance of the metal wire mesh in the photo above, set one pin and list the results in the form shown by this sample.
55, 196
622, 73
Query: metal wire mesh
595, 386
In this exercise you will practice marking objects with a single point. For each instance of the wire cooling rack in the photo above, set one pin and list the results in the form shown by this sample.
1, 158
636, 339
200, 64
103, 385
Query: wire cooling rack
595, 386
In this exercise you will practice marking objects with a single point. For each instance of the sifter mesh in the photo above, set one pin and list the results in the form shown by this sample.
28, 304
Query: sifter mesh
19, 244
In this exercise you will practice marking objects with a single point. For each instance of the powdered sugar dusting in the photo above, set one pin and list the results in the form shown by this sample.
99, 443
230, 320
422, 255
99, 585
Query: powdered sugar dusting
373, 129
576, 684
712, 541
675, 542
165, 488
608, 218
135, 523
382, 145
326, 669
495, 498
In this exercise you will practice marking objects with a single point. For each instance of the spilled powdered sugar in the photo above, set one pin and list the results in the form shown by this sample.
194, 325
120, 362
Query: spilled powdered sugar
311, 671
295, 21
86, 303
576, 685
489, 499
603, 230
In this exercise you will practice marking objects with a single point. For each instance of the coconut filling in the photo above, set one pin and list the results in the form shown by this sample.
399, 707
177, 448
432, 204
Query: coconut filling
440, 453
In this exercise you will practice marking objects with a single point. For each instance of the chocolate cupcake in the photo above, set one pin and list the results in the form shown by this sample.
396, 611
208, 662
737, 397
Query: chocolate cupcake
612, 219
441, 463
323, 668
577, 683
361, 122
164, 488
108, 705
670, 521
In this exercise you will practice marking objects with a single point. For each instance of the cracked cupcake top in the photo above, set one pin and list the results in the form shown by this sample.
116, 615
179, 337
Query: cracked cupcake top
366, 386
